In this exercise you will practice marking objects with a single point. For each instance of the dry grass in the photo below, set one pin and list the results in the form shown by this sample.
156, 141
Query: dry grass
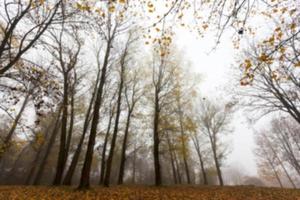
148, 193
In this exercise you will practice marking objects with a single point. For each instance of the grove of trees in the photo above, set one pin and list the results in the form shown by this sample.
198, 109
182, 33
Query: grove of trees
98, 92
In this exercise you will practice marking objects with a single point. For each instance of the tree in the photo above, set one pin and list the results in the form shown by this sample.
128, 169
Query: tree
270, 66
277, 149
66, 59
266, 162
71, 170
54, 131
34, 82
22, 25
201, 157
133, 94
112, 28
123, 64
213, 121
112, 108
162, 79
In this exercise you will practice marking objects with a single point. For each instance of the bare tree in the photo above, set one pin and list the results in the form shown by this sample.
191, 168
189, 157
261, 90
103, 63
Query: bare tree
133, 94
110, 35
66, 59
213, 121
279, 146
201, 157
22, 24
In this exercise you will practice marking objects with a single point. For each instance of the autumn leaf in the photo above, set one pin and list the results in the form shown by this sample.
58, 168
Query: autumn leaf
297, 64
111, 8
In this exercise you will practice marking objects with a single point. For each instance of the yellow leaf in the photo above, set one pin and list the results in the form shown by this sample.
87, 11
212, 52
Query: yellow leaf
112, 8
297, 64
293, 26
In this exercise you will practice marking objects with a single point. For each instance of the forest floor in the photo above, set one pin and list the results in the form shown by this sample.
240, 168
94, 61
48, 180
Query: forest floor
149, 193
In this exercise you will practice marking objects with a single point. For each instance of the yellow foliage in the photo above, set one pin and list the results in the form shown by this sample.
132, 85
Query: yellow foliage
297, 64
265, 58
293, 26
112, 8
83, 7
248, 64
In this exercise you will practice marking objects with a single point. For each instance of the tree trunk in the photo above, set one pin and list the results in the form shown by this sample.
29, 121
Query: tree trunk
218, 167
277, 176
273, 169
133, 165
85, 173
116, 128
48, 149
177, 168
33, 165
71, 125
69, 175
61, 161
184, 150
289, 151
103, 157
172, 159
286, 172
158, 180
124, 147
280, 162
217, 164
198, 150
8, 178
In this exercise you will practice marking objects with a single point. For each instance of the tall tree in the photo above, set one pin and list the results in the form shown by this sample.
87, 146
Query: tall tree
123, 66
214, 120
71, 170
132, 95
66, 59
201, 159
85, 174
163, 72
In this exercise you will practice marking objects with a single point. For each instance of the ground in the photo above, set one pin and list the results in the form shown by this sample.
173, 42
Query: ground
148, 193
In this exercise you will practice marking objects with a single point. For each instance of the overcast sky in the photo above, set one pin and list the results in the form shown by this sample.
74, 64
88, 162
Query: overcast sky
217, 79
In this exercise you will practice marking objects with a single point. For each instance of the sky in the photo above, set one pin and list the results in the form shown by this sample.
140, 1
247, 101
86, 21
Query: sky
216, 70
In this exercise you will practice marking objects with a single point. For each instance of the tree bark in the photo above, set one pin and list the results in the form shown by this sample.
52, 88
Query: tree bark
116, 128
61, 161
157, 169
71, 125
103, 156
71, 170
124, 147
85, 173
